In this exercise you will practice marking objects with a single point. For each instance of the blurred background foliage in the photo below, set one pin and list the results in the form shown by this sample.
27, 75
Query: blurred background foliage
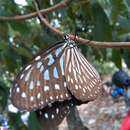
20, 41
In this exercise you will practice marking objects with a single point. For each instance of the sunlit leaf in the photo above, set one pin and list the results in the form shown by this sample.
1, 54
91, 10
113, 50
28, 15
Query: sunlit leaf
118, 8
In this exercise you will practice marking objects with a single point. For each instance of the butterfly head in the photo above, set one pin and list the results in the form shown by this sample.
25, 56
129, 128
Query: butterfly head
70, 43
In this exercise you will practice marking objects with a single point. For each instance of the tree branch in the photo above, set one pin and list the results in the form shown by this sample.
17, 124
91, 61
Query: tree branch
60, 5
82, 40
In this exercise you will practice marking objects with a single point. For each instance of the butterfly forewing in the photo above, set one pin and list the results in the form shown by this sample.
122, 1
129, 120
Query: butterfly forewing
82, 78
42, 81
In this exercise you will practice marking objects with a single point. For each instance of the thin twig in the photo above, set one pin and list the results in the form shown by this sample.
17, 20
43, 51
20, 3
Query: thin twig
82, 40
60, 5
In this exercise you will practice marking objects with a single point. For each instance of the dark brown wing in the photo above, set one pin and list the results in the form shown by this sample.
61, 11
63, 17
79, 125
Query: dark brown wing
51, 117
42, 81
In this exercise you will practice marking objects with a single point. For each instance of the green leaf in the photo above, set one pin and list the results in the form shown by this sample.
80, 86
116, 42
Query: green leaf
102, 28
4, 93
15, 122
126, 56
127, 3
21, 26
33, 123
9, 58
8, 8
3, 31
116, 57
118, 8
23, 52
124, 23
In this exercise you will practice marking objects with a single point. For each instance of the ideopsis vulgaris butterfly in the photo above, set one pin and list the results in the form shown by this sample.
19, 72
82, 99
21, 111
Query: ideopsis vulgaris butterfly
56, 75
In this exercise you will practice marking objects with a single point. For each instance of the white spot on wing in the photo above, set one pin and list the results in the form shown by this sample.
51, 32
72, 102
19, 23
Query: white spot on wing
27, 67
84, 90
84, 78
61, 96
42, 102
38, 58
31, 85
62, 64
70, 67
57, 97
17, 89
72, 81
46, 88
46, 115
57, 110
67, 95
38, 83
76, 86
75, 76
89, 89
52, 116
64, 84
80, 86
51, 97
31, 98
21, 76
28, 75
57, 86
23, 95
39, 95
80, 79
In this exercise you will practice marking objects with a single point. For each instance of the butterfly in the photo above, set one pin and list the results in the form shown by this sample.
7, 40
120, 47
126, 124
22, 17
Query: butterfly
56, 75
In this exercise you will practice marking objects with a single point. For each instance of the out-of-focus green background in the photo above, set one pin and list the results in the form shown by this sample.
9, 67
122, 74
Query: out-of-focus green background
100, 20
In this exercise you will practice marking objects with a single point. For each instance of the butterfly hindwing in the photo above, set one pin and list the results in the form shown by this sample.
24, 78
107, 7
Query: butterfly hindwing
42, 81
82, 78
